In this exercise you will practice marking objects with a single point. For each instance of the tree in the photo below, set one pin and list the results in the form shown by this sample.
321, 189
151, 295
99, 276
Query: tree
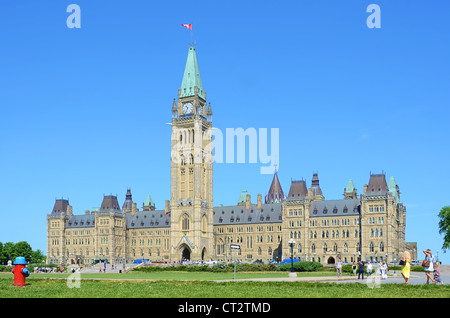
23, 249
444, 226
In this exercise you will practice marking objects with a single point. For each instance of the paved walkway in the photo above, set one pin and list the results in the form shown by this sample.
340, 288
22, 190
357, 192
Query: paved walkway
395, 277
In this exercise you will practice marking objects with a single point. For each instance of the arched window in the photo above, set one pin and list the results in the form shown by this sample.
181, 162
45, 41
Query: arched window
381, 247
313, 248
371, 247
185, 222
204, 226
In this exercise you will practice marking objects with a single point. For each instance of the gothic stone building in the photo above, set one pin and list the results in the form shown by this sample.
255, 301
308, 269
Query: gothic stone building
371, 225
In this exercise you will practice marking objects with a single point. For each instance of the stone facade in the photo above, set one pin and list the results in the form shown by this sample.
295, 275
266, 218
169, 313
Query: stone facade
371, 226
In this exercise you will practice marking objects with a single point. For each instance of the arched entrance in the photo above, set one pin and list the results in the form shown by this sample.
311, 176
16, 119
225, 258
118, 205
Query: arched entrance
203, 253
186, 254
331, 260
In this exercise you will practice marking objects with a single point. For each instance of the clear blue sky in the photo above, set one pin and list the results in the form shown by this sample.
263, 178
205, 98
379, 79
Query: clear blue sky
84, 111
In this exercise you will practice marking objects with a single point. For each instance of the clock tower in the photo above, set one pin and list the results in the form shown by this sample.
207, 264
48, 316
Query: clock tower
191, 169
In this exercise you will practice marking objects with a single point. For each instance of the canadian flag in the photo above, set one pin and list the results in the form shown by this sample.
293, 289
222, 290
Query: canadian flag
189, 26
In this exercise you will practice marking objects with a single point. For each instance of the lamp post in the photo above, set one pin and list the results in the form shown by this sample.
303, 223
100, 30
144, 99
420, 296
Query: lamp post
291, 245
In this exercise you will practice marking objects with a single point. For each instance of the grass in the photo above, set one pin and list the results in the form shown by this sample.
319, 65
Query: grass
177, 275
196, 286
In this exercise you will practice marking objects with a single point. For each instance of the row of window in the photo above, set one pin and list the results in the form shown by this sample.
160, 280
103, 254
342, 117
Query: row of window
335, 210
345, 248
373, 220
376, 208
249, 229
335, 222
334, 234
142, 242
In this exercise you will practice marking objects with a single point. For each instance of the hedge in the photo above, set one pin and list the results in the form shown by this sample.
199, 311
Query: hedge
302, 267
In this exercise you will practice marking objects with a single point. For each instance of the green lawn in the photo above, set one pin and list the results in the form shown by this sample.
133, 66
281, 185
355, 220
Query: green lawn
195, 287
177, 275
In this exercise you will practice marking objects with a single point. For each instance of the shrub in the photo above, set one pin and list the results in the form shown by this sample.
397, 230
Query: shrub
302, 266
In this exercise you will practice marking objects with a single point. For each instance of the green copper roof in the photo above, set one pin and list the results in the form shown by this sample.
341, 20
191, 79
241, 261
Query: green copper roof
243, 197
149, 201
350, 186
191, 77
393, 188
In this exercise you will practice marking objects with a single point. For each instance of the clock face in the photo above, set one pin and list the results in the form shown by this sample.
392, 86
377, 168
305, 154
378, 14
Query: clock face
188, 108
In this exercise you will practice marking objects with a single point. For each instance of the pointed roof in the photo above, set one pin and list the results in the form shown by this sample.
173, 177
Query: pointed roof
350, 186
275, 193
243, 197
393, 188
149, 201
191, 77
128, 200
316, 190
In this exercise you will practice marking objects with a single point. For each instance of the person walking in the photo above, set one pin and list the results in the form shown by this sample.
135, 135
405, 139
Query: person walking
360, 269
406, 269
339, 268
384, 270
354, 269
369, 269
379, 269
428, 264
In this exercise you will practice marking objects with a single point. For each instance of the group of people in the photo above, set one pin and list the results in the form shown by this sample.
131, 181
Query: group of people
431, 268
430, 264
48, 269
381, 269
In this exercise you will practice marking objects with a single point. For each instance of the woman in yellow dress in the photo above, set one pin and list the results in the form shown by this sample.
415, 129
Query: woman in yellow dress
406, 269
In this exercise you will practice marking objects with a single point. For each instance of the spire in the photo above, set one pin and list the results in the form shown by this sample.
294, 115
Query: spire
315, 184
350, 191
275, 192
209, 113
350, 187
315, 192
191, 77
393, 188
148, 205
128, 201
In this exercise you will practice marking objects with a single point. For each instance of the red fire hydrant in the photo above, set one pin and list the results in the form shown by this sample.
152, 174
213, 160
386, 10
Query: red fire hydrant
20, 271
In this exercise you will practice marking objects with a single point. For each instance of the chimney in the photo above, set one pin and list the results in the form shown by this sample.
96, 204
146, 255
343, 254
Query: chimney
167, 206
259, 202
365, 188
247, 202
87, 212
133, 208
